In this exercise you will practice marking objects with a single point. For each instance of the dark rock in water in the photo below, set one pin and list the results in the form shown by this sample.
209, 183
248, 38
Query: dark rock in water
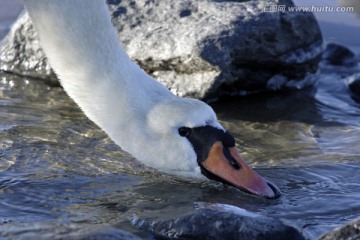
216, 224
349, 231
354, 86
201, 49
339, 55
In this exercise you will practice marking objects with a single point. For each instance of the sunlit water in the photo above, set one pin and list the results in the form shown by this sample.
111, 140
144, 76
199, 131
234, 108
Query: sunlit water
61, 174
58, 168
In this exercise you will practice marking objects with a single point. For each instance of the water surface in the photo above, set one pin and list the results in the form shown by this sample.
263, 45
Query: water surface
60, 173
58, 168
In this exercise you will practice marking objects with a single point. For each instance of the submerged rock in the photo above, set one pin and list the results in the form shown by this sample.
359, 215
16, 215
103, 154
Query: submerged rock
224, 222
349, 231
201, 49
338, 55
354, 86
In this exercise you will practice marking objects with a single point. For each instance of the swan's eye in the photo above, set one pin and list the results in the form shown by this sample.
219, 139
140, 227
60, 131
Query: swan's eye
184, 131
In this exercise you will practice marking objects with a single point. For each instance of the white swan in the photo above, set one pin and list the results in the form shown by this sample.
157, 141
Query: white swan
175, 135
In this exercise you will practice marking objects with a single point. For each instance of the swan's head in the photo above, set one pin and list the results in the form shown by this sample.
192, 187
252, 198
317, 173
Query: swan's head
181, 136
186, 139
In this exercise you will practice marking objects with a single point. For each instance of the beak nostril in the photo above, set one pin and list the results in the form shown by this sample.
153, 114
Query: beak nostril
231, 159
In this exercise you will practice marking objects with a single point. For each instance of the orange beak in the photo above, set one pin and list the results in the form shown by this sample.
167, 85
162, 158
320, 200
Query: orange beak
238, 174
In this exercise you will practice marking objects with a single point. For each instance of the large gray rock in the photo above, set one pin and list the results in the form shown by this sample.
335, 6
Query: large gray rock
201, 49
21, 53
350, 231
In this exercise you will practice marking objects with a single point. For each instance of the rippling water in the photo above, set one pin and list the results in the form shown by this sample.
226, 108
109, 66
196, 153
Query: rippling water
61, 175
59, 170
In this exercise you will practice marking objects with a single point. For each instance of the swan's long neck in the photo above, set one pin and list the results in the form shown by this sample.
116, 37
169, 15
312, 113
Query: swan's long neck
80, 43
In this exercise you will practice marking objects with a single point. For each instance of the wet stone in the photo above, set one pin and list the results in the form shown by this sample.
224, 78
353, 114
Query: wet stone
20, 52
338, 55
210, 223
350, 231
354, 86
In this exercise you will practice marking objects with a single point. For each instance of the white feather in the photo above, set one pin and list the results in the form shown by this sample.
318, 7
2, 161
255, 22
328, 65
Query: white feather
137, 112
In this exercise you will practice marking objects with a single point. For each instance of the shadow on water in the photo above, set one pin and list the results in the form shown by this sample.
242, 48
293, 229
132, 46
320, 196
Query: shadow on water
303, 106
297, 106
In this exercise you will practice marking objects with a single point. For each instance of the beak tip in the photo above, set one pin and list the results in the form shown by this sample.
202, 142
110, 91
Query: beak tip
264, 189
276, 191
